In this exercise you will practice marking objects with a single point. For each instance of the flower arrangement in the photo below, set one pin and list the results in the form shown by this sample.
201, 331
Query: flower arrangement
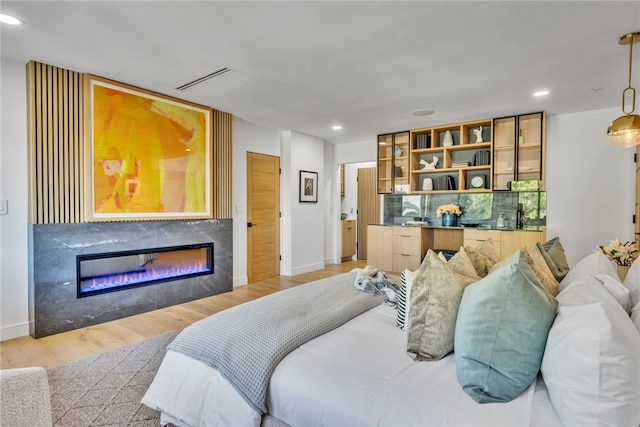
448, 209
622, 253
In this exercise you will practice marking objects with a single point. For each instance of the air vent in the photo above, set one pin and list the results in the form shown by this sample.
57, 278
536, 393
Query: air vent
217, 73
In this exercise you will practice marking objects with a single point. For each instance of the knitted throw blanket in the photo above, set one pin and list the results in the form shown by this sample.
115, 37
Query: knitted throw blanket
245, 343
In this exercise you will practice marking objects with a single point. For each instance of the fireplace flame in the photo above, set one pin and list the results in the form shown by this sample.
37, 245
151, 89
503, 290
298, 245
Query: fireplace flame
149, 272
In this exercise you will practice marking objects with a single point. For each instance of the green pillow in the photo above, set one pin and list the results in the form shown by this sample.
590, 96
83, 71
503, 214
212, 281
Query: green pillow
554, 256
501, 331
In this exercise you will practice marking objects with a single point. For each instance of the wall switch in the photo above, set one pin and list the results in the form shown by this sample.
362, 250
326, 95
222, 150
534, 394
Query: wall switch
4, 206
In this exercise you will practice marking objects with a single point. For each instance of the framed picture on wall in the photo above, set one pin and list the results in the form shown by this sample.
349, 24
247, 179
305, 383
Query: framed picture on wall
308, 187
147, 155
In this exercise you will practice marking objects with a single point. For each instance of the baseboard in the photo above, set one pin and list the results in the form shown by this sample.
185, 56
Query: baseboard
240, 281
307, 268
14, 331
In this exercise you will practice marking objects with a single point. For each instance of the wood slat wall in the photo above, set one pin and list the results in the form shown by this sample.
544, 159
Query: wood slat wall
222, 162
55, 138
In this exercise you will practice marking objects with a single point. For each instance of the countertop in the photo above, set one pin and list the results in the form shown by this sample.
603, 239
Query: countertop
425, 225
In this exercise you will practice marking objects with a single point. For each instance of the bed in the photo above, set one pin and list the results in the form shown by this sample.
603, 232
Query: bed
360, 372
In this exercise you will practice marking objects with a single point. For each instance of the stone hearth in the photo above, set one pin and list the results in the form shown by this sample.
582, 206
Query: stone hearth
53, 303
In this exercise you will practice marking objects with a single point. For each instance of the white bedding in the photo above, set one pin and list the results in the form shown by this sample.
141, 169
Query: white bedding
358, 374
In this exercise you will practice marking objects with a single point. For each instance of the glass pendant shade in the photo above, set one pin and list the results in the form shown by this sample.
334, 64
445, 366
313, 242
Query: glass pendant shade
625, 131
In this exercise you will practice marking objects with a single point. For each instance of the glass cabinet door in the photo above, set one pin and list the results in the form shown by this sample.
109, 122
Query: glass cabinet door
401, 170
529, 152
385, 163
504, 155
517, 152
393, 163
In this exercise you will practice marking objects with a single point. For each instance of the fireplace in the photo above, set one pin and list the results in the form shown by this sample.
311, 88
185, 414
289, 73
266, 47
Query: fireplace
113, 271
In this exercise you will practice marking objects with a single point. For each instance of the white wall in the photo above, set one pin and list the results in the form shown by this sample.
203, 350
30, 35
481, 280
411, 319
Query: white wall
14, 313
302, 223
589, 183
247, 137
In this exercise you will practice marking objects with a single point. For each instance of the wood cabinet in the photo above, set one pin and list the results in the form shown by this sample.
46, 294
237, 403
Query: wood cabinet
408, 247
348, 237
394, 248
448, 158
393, 163
506, 242
518, 151
379, 247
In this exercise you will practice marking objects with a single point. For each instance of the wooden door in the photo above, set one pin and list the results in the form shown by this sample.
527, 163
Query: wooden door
263, 216
368, 207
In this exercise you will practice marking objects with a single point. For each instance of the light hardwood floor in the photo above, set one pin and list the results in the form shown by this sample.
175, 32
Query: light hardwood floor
65, 347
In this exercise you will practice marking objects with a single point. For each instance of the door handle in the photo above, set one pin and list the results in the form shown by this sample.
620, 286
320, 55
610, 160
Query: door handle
250, 224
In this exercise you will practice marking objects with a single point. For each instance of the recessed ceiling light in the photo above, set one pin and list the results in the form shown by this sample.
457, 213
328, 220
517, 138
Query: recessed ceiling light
336, 127
7, 19
423, 112
541, 93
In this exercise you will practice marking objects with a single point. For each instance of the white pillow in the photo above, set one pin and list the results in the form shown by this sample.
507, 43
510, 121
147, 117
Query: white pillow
591, 364
596, 263
403, 298
617, 290
632, 282
635, 316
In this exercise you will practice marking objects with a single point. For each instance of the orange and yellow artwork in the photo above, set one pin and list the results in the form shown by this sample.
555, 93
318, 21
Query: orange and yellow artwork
149, 155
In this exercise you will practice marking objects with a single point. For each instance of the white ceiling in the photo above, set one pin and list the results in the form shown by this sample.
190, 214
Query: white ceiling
306, 65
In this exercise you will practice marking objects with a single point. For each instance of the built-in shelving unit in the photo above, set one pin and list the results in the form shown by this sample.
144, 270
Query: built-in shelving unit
463, 152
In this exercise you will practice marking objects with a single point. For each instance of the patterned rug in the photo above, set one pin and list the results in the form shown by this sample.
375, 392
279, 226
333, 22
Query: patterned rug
106, 389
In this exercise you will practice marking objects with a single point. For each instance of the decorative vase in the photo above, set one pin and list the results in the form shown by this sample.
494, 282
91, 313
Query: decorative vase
447, 141
449, 220
622, 271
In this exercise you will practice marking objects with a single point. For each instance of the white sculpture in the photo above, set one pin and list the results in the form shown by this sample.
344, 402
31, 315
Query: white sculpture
447, 141
427, 165
478, 134
427, 184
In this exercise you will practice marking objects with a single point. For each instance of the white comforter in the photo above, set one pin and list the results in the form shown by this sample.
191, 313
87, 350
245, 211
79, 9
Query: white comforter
356, 375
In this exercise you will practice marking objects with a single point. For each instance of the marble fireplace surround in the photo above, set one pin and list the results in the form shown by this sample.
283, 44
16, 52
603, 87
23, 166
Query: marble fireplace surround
53, 303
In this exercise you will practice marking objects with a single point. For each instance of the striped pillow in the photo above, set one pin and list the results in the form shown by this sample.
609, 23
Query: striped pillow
402, 298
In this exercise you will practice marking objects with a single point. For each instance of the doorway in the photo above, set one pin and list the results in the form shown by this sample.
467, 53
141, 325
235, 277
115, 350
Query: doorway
263, 216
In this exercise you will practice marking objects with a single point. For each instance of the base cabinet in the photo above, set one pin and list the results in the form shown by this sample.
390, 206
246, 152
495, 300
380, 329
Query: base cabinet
379, 247
348, 239
505, 242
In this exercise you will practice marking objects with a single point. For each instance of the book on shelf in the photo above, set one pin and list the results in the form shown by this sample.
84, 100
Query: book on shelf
423, 140
482, 158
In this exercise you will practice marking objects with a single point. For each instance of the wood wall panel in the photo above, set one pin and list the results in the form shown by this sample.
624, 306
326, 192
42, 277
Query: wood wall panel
55, 145
222, 162
56, 140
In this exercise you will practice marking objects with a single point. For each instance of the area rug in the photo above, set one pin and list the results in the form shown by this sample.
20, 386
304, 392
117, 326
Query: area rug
106, 389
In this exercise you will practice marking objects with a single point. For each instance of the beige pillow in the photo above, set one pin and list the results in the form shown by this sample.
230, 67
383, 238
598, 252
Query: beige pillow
480, 262
461, 264
539, 266
434, 302
487, 249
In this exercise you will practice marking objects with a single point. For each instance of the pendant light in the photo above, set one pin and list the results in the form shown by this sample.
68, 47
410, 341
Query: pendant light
625, 130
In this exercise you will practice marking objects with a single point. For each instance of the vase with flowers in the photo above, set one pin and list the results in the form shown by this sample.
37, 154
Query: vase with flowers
449, 214
623, 254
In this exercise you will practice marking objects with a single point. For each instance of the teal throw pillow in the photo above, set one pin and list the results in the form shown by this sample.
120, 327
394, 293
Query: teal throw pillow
553, 254
501, 332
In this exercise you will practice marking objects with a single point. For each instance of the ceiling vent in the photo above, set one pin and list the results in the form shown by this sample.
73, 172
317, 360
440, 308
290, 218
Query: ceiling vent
217, 73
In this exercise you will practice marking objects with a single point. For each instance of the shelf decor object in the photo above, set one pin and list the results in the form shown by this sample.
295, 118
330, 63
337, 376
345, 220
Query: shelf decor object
308, 187
449, 214
625, 130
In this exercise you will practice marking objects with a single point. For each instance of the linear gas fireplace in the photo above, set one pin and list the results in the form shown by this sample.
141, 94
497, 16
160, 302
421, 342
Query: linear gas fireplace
108, 272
